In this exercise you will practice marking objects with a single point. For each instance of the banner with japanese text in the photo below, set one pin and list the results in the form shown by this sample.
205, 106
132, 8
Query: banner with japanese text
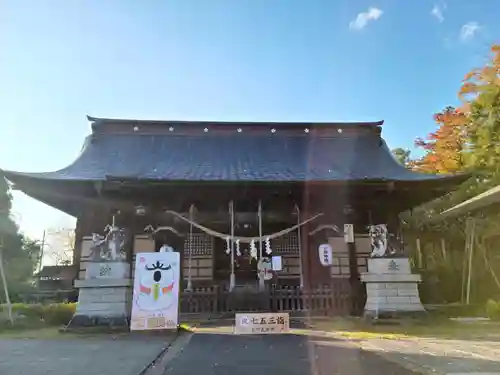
155, 303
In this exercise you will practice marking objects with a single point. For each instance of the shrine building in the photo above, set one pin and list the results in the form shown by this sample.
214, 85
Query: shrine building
227, 194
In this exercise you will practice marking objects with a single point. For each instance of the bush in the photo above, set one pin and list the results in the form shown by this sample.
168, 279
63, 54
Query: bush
454, 310
493, 309
52, 314
34, 311
59, 313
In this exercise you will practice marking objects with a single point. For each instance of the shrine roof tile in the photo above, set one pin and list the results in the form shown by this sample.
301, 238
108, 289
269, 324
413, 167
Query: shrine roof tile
232, 157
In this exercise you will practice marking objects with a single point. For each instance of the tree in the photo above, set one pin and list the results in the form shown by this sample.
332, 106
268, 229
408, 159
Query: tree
480, 92
444, 147
467, 139
60, 245
18, 254
402, 156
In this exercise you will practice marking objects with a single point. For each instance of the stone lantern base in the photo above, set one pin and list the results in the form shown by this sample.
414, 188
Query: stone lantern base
104, 297
391, 289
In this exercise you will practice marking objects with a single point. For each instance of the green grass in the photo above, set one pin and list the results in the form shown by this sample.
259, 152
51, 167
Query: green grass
358, 329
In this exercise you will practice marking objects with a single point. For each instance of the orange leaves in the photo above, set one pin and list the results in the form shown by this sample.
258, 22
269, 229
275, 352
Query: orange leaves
471, 131
444, 146
467, 89
478, 79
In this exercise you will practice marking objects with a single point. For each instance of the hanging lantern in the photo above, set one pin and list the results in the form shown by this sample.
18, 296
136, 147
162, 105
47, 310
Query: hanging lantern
253, 249
325, 255
140, 210
268, 246
238, 252
228, 245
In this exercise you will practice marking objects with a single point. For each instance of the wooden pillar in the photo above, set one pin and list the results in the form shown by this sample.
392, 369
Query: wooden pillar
77, 251
304, 247
354, 279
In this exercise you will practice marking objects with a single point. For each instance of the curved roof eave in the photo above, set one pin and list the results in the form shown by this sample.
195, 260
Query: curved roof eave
212, 158
102, 120
124, 157
24, 178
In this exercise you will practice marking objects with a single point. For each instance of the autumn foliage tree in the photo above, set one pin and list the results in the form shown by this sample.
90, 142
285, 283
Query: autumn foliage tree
445, 146
467, 139
480, 92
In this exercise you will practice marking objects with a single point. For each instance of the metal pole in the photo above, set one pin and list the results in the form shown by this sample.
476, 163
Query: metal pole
443, 248
419, 254
4, 282
191, 212
464, 262
232, 278
300, 247
471, 251
42, 247
261, 276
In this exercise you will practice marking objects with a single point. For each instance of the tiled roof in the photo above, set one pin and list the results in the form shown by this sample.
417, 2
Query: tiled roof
233, 157
63, 272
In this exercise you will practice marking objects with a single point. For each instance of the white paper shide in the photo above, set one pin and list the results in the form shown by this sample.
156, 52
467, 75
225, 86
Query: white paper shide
155, 302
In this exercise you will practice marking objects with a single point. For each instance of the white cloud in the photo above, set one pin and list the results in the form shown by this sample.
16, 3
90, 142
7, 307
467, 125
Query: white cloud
469, 30
437, 11
363, 18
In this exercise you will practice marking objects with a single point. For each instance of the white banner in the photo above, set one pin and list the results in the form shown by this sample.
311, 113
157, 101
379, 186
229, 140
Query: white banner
155, 302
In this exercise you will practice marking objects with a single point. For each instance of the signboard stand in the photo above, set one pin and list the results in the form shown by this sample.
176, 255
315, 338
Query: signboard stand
155, 302
261, 323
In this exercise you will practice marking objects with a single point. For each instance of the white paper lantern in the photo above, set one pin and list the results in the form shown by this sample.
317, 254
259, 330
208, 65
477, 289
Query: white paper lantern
325, 255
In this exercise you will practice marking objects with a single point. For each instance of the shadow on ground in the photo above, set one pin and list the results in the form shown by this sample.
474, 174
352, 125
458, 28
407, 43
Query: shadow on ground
440, 329
228, 354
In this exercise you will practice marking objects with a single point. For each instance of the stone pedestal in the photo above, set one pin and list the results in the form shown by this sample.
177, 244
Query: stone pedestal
391, 289
104, 297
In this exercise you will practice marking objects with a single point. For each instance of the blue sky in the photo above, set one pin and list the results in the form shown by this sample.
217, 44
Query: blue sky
277, 60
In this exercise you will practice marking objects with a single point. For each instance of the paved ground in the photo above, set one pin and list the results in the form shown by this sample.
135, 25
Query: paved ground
438, 356
227, 354
97, 356
217, 351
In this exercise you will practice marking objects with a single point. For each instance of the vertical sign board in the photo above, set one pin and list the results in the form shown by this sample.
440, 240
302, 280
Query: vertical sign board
277, 263
155, 303
349, 233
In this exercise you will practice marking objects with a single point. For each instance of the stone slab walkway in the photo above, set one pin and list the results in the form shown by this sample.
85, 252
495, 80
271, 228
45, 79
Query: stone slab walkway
219, 352
127, 355
438, 356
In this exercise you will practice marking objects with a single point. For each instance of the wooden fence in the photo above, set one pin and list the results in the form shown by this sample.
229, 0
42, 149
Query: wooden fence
332, 299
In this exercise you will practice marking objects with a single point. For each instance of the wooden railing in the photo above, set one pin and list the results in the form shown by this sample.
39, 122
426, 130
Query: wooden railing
331, 299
